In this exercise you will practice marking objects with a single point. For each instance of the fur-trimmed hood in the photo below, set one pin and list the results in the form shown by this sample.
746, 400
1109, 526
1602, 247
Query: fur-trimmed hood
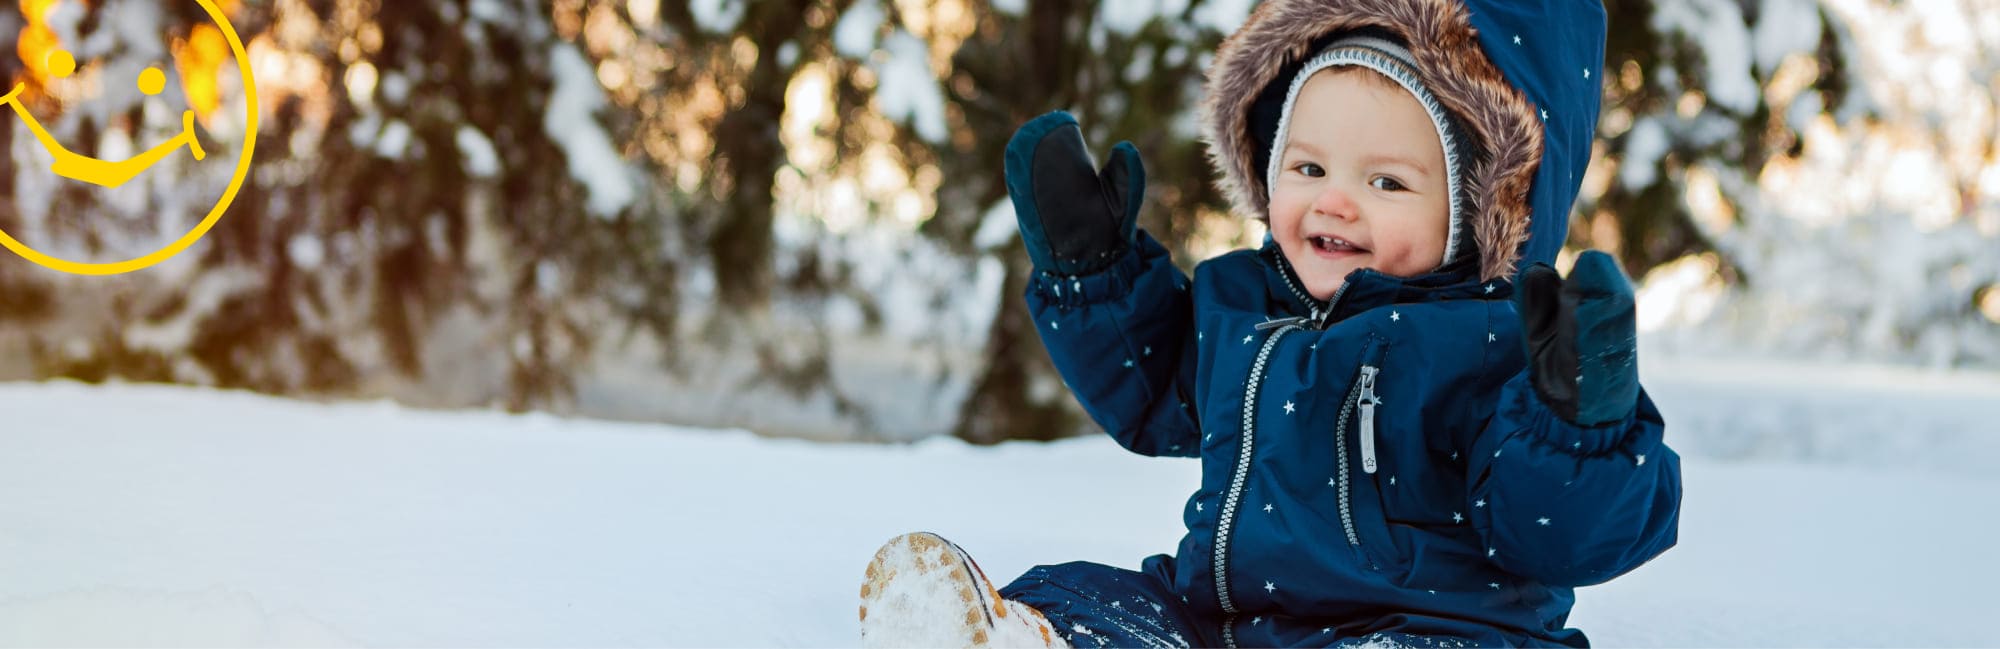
1522, 79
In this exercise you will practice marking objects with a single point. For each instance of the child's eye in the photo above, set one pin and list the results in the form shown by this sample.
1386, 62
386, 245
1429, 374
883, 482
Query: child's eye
1387, 184
1309, 169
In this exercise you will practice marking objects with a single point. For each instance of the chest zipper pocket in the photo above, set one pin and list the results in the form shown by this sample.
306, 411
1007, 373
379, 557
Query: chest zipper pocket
1366, 401
1357, 418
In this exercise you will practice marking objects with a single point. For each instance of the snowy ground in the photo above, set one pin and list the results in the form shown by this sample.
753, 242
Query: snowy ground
1849, 509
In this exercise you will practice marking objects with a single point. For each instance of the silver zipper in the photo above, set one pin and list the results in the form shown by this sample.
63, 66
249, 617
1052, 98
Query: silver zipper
1368, 401
1320, 311
1331, 304
1226, 520
1287, 271
1340, 457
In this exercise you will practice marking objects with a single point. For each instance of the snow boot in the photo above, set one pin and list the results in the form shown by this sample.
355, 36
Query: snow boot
924, 591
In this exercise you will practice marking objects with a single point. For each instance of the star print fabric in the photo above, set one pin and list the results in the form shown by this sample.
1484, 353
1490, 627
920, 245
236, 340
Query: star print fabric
1094, 605
1469, 462
1376, 464
1111, 322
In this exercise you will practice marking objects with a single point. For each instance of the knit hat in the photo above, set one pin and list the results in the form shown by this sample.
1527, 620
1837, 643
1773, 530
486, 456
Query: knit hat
1392, 61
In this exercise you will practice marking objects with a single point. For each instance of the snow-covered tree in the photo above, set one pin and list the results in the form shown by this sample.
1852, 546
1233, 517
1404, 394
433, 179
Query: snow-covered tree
1818, 177
436, 209
790, 215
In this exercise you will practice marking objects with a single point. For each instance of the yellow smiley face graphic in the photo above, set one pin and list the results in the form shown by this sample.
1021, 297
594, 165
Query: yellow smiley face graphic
81, 168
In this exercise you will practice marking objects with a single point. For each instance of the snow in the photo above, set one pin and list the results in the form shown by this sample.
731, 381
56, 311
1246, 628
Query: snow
718, 16
571, 121
306, 251
1223, 16
903, 277
1803, 110
1141, 65
361, 80
1644, 147
204, 296
854, 35
1725, 40
481, 161
926, 317
1809, 556
908, 90
1131, 16
150, 515
997, 227
492, 11
1682, 292
1784, 27
1871, 244
395, 88
394, 141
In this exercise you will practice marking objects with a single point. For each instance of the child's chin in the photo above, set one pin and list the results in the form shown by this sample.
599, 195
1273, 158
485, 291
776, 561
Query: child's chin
1329, 281
1322, 277
1324, 291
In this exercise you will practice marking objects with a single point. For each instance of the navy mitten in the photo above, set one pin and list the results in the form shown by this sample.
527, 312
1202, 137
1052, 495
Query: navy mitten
1583, 355
1075, 220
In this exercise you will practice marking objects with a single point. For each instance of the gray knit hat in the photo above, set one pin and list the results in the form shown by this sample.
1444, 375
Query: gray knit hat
1392, 61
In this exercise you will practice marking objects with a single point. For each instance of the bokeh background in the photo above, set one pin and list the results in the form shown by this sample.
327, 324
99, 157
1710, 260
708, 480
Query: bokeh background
788, 215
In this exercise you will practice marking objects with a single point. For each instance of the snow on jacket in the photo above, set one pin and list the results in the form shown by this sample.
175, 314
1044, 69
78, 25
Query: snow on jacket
1388, 462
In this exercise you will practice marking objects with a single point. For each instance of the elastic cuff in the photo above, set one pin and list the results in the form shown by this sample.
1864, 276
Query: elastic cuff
1540, 424
1113, 282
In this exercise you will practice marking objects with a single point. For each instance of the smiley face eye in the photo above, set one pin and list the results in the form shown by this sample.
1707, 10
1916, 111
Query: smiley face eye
61, 64
152, 81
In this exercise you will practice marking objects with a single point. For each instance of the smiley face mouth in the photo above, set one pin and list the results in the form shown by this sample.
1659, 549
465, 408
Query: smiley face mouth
104, 173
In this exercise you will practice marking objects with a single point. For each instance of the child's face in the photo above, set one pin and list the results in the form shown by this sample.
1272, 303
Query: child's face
1361, 183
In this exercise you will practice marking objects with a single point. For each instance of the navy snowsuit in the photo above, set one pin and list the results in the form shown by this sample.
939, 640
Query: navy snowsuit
1384, 472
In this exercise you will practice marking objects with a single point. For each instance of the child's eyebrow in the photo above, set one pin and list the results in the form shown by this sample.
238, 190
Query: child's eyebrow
1383, 158
1305, 146
1314, 151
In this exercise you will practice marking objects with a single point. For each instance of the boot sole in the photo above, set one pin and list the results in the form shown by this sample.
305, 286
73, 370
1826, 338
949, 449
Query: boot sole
928, 592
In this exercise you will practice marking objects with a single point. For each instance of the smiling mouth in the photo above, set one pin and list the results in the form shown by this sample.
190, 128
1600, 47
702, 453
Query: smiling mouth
76, 166
1334, 246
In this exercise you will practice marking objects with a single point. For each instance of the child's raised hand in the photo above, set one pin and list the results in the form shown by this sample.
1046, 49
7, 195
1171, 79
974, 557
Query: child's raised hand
1075, 220
1582, 341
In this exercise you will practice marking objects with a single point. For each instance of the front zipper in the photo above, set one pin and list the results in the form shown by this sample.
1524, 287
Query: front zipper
1361, 397
1315, 320
1319, 312
1287, 272
1226, 520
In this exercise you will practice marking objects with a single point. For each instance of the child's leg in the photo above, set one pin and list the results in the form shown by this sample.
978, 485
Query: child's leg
1094, 605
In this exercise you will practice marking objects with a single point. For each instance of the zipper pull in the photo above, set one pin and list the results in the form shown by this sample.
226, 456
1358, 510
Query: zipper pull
1281, 322
1368, 401
1314, 320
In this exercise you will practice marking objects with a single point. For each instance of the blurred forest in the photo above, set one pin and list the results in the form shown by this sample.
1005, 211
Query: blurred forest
789, 215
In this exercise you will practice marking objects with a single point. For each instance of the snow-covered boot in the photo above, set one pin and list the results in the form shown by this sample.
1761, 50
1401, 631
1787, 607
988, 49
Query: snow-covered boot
924, 591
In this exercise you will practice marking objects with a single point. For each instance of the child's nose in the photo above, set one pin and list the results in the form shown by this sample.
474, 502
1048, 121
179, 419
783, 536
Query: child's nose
1335, 202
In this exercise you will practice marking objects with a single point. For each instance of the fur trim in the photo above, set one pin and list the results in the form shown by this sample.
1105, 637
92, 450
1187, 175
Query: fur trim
1498, 118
